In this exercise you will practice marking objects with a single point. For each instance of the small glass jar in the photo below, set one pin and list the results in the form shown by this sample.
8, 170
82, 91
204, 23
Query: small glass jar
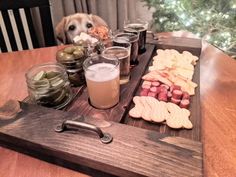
48, 85
72, 59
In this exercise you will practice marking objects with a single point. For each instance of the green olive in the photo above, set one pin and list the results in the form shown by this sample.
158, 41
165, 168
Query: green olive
67, 57
78, 54
80, 48
60, 54
69, 50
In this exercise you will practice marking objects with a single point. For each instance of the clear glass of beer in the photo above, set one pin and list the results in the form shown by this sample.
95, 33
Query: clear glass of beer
103, 81
123, 54
141, 26
121, 39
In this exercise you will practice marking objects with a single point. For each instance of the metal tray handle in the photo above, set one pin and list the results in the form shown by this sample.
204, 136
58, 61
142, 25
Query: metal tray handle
104, 137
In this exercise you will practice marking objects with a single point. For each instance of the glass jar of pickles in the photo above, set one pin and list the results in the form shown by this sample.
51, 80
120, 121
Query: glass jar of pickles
48, 85
72, 59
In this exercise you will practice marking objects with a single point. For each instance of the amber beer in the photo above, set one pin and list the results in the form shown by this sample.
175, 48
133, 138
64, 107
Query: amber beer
103, 82
141, 27
121, 39
123, 55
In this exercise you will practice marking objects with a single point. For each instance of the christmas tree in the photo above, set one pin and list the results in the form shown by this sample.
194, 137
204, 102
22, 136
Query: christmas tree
213, 20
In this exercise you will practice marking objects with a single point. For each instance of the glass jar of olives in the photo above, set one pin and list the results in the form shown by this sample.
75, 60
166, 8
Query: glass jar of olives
48, 85
72, 58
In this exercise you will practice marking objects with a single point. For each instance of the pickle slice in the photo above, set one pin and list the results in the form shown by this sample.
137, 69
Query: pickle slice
40, 75
49, 88
52, 74
60, 97
55, 98
44, 83
57, 82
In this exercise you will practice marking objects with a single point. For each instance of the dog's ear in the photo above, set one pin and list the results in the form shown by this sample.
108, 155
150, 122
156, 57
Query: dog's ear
60, 31
98, 21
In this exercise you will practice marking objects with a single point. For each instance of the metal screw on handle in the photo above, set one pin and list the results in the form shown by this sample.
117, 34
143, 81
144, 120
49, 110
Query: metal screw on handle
104, 137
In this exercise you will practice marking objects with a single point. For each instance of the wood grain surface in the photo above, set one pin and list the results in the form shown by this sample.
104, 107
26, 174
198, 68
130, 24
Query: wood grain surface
133, 151
218, 104
218, 109
180, 44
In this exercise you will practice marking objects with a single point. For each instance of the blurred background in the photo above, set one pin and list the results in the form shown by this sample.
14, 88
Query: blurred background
114, 12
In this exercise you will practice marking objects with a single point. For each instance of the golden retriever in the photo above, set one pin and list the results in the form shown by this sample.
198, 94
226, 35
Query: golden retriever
72, 25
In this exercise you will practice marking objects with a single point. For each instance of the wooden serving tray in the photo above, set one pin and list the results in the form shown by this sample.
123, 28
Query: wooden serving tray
133, 151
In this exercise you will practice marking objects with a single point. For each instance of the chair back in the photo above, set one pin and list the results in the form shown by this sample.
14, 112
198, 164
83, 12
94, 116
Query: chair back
17, 28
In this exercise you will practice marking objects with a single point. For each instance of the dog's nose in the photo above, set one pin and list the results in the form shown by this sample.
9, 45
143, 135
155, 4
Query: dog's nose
89, 25
72, 27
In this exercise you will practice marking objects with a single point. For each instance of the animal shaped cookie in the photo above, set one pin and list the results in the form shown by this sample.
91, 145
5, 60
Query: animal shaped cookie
179, 117
150, 109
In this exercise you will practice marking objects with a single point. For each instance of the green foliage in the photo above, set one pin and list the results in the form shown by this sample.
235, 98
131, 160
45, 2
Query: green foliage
213, 20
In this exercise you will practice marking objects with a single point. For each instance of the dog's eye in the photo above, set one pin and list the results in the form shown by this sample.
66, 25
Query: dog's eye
89, 25
72, 27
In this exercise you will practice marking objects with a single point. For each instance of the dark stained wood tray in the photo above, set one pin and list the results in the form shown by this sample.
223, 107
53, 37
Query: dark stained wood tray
133, 151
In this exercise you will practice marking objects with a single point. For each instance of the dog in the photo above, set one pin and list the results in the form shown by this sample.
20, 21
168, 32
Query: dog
72, 25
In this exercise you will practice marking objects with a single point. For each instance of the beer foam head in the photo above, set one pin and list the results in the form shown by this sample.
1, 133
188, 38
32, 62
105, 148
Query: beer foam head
122, 39
120, 52
139, 26
102, 72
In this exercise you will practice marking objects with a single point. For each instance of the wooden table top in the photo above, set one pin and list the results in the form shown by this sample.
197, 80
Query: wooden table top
218, 105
